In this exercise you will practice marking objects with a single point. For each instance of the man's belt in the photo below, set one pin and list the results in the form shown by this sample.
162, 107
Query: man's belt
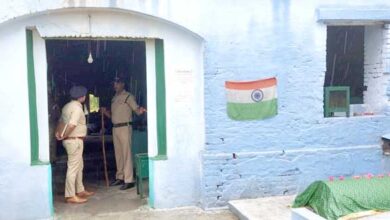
122, 124
74, 138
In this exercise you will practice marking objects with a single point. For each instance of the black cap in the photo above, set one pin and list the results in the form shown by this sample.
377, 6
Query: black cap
77, 92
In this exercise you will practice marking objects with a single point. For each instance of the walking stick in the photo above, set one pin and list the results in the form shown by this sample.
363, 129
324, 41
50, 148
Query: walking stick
104, 151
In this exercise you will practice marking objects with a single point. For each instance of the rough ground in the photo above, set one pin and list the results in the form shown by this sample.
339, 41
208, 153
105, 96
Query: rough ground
188, 213
112, 203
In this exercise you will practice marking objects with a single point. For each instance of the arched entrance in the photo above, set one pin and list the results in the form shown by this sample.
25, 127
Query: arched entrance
174, 81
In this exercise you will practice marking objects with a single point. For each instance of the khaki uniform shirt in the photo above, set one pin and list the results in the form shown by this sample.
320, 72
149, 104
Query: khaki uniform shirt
122, 106
72, 113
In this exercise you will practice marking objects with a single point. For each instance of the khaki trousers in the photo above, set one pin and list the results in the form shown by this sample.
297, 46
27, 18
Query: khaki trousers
122, 147
74, 174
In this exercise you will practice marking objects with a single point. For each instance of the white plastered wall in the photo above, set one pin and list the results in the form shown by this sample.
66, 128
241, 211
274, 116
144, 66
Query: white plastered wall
375, 97
19, 180
40, 67
14, 117
185, 125
151, 90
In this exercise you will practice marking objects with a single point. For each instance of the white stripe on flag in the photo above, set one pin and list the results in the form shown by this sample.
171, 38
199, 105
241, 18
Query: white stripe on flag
245, 96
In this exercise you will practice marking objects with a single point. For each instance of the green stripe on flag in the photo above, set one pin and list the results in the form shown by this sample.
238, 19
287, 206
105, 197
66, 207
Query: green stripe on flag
252, 111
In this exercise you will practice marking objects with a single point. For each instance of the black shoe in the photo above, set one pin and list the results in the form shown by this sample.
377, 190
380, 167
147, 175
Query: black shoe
127, 186
116, 182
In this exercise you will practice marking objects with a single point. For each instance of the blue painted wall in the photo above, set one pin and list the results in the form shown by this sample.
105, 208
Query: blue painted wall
23, 193
281, 155
243, 41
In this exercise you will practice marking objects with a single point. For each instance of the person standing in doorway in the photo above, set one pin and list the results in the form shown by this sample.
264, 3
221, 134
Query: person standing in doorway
123, 104
73, 141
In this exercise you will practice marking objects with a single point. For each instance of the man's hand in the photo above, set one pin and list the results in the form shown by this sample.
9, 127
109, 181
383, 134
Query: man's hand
105, 112
141, 110
58, 137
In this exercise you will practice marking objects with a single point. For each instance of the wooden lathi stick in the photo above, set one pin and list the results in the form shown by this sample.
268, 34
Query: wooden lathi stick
104, 151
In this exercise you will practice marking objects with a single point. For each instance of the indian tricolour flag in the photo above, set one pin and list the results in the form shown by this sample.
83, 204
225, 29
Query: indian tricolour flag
252, 100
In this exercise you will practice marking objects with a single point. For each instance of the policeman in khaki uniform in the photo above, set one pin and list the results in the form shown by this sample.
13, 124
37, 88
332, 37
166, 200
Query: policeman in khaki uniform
122, 106
72, 139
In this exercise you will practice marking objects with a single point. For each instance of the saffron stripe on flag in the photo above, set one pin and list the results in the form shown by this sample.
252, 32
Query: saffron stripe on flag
259, 84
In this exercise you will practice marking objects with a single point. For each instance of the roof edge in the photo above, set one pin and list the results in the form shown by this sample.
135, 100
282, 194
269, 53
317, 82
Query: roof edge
111, 9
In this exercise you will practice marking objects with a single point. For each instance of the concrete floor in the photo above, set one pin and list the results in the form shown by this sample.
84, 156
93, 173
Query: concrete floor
106, 200
112, 203
188, 213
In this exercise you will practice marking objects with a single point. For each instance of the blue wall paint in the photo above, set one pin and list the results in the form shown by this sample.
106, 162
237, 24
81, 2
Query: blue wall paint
260, 174
23, 193
281, 155
291, 46
283, 39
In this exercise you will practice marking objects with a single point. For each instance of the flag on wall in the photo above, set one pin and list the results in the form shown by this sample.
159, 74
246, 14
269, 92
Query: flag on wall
251, 100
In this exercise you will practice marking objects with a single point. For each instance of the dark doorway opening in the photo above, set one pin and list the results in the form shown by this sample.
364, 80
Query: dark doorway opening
69, 63
345, 59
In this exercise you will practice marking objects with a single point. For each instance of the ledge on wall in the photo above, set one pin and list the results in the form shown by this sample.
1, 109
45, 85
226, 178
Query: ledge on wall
159, 157
353, 15
38, 163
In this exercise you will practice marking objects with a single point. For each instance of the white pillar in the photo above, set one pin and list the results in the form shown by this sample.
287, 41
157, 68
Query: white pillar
386, 61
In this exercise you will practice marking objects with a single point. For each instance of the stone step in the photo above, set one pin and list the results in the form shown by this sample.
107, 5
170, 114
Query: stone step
304, 214
267, 208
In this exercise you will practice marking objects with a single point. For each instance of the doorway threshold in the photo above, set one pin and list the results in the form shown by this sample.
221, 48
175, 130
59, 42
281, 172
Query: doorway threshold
106, 201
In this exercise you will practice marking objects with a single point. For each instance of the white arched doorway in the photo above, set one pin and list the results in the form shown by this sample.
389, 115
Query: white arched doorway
174, 89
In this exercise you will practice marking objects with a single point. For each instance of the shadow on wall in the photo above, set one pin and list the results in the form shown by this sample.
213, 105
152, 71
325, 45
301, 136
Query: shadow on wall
75, 3
116, 4
281, 10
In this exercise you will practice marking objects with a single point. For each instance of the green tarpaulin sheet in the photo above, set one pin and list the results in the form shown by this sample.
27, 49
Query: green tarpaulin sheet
335, 199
